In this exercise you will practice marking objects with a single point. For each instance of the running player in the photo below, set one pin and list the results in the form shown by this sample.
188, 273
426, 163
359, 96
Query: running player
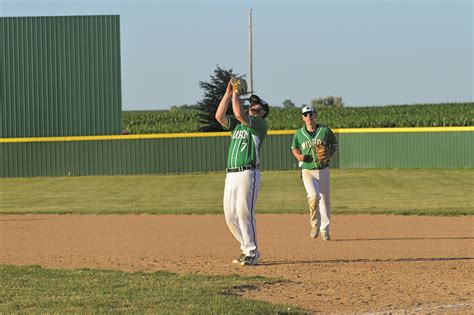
242, 182
315, 174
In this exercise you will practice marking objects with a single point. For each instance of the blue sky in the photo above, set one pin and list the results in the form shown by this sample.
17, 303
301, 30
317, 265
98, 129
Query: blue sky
367, 52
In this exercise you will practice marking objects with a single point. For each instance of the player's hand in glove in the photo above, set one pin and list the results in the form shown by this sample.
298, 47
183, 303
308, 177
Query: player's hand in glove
239, 86
323, 153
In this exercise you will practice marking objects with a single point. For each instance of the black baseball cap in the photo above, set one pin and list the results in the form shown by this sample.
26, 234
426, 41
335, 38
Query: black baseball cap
255, 99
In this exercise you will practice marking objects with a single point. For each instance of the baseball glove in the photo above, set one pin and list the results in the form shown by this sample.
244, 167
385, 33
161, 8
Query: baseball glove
323, 153
239, 86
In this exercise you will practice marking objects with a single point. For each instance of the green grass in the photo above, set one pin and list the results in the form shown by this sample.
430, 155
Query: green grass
375, 191
31, 289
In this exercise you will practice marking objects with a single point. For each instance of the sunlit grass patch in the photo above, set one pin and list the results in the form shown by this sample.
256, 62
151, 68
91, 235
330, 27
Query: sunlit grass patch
32, 289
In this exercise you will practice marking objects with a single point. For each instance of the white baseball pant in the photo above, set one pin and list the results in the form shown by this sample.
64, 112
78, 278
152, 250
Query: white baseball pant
240, 198
316, 183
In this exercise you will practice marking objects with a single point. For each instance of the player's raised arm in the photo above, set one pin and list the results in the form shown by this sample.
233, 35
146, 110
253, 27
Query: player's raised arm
239, 111
222, 108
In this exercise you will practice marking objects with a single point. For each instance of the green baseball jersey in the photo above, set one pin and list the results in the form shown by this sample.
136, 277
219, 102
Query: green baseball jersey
245, 141
306, 142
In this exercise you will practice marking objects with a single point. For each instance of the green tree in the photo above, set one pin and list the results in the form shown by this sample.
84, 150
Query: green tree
186, 107
213, 92
328, 101
288, 104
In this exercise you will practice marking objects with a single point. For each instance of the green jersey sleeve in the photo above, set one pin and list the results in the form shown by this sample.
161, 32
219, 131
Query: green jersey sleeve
232, 123
331, 140
258, 126
295, 144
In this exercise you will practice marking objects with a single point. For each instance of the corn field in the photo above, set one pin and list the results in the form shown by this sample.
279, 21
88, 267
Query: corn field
426, 115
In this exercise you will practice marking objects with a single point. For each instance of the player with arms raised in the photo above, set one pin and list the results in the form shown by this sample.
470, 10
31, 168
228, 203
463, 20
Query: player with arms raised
242, 182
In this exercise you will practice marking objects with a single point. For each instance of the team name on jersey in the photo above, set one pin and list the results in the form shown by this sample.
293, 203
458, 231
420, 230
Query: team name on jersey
240, 134
311, 143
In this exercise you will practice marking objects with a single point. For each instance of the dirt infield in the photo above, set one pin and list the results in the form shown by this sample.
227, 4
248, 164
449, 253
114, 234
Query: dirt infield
374, 263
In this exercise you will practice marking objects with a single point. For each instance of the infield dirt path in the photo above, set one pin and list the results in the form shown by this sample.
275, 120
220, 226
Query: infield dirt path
374, 263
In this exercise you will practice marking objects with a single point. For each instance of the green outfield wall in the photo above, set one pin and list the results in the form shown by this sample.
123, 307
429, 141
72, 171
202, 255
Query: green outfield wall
60, 76
444, 147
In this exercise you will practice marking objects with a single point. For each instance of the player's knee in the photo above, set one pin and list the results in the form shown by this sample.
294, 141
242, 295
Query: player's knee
313, 202
243, 216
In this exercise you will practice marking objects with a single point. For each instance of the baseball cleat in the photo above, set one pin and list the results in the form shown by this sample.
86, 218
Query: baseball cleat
239, 259
326, 236
314, 232
250, 260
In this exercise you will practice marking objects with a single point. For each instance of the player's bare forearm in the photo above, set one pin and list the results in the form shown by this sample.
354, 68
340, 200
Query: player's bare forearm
297, 154
239, 111
222, 109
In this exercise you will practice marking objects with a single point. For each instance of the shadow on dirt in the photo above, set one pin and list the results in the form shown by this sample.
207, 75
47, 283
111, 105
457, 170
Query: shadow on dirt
349, 261
402, 239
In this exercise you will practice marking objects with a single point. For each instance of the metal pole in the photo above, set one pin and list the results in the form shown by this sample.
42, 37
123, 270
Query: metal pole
250, 54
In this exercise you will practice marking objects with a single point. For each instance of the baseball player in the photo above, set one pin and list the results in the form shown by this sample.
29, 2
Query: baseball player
313, 146
242, 182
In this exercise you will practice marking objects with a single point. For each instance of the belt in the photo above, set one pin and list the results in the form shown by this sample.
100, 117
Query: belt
241, 168
315, 168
